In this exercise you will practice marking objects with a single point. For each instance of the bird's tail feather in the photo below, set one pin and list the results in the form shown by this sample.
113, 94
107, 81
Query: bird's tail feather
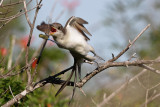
65, 83
99, 57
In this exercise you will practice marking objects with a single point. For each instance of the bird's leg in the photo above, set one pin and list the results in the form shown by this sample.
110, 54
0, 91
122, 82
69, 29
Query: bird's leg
79, 71
89, 62
91, 58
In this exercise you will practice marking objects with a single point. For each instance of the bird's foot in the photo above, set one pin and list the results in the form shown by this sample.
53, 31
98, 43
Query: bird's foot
89, 62
96, 63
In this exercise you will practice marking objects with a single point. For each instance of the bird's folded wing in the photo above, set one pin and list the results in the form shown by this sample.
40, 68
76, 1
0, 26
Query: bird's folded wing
78, 24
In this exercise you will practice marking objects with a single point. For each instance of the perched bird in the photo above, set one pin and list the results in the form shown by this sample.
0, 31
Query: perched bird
73, 38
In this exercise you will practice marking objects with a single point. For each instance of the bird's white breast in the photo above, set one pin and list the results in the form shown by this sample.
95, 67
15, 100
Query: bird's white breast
74, 40
74, 37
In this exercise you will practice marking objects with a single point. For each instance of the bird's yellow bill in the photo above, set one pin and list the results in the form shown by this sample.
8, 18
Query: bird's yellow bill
51, 33
52, 30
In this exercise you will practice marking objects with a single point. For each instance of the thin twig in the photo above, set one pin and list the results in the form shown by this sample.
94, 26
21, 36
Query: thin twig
1, 3
30, 79
94, 102
114, 64
150, 68
154, 86
15, 16
12, 93
146, 98
106, 100
3, 93
10, 4
26, 14
55, 80
141, 83
83, 91
150, 99
130, 44
123, 86
133, 56
12, 43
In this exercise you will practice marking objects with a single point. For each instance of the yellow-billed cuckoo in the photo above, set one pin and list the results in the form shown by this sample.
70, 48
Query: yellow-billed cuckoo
73, 38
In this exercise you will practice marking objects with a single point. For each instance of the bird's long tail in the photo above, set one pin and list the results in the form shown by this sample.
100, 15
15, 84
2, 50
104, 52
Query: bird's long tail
74, 88
65, 83
97, 56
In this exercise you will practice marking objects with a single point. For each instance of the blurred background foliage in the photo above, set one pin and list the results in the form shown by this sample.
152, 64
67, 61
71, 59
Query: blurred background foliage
14, 26
125, 17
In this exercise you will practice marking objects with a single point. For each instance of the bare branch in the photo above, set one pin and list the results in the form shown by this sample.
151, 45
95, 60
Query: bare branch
31, 30
11, 4
12, 43
54, 80
1, 3
11, 92
26, 14
150, 68
150, 99
130, 44
114, 64
14, 16
106, 100
30, 79
141, 83
146, 98
31, 89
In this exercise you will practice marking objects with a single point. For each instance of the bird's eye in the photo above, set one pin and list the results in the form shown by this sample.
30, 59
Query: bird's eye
59, 28
53, 29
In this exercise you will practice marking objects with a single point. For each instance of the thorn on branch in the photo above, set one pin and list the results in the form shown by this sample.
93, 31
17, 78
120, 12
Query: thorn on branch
39, 6
113, 56
104, 96
83, 91
133, 56
126, 63
130, 42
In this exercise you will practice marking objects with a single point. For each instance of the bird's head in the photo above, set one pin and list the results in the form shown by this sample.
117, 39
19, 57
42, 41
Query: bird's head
56, 30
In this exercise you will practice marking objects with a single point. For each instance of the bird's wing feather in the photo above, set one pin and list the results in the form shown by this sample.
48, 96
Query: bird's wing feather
77, 23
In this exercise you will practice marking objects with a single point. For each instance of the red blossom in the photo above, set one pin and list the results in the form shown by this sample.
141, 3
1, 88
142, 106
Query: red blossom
71, 5
34, 63
3, 51
49, 105
24, 41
